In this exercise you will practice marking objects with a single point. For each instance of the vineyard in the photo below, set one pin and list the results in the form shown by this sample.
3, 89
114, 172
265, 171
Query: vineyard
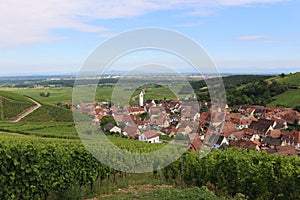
49, 113
34, 168
12, 104
44, 129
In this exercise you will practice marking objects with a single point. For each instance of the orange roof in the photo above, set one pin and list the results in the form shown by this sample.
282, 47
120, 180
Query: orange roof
151, 134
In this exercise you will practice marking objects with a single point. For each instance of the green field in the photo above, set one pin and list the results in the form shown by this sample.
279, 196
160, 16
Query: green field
57, 95
290, 98
12, 104
49, 113
45, 129
290, 79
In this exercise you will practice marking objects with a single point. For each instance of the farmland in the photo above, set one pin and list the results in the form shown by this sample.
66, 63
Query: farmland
13, 104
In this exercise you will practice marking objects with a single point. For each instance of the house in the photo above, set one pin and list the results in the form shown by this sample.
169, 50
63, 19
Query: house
250, 134
136, 110
292, 117
283, 150
242, 123
215, 141
244, 144
228, 127
108, 127
236, 135
272, 123
131, 131
274, 133
156, 111
271, 142
260, 128
115, 129
292, 138
150, 136
195, 142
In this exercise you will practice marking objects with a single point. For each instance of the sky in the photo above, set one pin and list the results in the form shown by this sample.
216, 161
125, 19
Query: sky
240, 36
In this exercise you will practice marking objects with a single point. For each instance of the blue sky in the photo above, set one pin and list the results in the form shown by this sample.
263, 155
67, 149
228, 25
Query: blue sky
240, 36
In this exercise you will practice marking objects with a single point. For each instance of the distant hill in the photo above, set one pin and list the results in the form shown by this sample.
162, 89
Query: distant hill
12, 105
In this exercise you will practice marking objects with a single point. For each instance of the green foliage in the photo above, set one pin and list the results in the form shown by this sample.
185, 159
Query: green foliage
260, 93
257, 175
57, 94
44, 129
290, 98
203, 108
31, 168
14, 96
49, 113
45, 94
291, 79
165, 137
106, 120
12, 104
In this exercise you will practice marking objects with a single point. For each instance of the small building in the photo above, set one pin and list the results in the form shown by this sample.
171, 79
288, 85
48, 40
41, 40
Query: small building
195, 142
215, 141
150, 136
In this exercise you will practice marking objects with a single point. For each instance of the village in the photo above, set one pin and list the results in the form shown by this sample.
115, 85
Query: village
253, 127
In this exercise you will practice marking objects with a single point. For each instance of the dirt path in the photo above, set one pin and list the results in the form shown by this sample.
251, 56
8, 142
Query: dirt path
13, 133
132, 189
30, 110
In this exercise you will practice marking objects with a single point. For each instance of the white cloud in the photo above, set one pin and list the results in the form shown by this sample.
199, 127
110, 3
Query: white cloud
260, 38
251, 37
32, 21
192, 24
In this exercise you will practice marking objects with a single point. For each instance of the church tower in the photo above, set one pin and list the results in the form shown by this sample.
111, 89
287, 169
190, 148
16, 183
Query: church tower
141, 98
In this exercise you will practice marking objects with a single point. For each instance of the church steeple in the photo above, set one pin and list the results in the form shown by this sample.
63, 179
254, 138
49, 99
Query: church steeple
141, 98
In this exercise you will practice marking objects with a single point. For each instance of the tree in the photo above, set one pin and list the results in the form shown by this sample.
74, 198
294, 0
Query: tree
106, 120
282, 75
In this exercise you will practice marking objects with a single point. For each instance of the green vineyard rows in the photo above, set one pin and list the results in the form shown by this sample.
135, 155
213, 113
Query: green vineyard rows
33, 167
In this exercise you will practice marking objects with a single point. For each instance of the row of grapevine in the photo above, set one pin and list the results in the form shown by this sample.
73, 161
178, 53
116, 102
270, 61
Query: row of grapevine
31, 169
11, 108
256, 175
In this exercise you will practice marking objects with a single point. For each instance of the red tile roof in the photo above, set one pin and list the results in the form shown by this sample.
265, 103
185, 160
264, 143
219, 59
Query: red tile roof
151, 134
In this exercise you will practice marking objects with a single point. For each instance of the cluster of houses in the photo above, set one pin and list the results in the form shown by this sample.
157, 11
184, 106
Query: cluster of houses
256, 127
250, 127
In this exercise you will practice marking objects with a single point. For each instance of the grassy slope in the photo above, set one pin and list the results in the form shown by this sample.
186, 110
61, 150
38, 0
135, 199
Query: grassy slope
291, 79
49, 113
60, 95
12, 104
290, 98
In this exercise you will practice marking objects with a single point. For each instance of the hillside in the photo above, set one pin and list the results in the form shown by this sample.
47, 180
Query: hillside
49, 113
12, 105
291, 97
290, 79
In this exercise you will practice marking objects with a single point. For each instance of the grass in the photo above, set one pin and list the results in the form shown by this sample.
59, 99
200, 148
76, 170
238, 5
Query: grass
290, 79
290, 98
49, 113
103, 93
57, 95
45, 129
12, 104
165, 192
